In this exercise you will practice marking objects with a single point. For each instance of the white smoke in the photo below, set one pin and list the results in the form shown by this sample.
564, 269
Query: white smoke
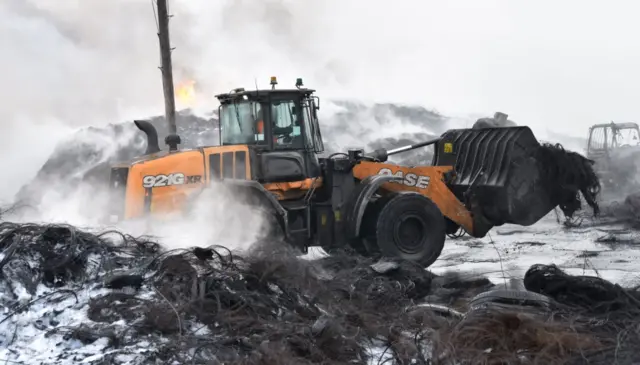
80, 202
215, 219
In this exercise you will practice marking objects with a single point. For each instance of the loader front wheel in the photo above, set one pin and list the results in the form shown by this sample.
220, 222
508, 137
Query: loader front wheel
410, 226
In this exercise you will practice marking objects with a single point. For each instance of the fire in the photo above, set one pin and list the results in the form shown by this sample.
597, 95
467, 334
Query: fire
186, 93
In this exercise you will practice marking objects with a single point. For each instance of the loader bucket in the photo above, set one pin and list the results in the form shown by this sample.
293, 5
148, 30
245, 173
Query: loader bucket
511, 177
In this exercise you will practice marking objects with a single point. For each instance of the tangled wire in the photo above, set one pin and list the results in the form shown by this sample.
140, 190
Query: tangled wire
567, 174
214, 306
136, 303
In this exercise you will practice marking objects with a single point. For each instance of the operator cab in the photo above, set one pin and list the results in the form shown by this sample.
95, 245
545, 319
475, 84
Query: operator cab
280, 127
605, 138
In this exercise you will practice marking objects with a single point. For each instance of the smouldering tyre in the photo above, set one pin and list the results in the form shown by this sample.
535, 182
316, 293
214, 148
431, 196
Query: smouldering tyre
510, 297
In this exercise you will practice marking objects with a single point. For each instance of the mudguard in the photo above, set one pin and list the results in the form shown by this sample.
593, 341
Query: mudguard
357, 202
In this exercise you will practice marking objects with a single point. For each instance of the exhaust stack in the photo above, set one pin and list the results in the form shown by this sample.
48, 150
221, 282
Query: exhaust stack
152, 135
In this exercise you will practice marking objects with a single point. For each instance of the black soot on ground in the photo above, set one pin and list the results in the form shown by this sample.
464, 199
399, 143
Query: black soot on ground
110, 298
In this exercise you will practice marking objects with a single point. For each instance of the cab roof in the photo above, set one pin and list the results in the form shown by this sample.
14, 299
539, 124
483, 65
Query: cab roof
625, 125
241, 93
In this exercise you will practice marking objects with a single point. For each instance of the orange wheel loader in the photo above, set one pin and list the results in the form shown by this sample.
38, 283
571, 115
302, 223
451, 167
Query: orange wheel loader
268, 154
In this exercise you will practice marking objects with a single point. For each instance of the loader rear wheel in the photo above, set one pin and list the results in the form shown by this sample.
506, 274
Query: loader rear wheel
410, 226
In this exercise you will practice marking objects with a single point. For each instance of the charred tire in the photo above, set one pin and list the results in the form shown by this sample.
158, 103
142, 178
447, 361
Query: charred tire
408, 226
510, 297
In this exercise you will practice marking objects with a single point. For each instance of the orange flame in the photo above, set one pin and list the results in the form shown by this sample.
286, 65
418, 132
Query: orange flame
186, 93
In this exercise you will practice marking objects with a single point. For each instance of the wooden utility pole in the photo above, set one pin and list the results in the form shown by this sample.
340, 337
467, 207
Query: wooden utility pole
167, 74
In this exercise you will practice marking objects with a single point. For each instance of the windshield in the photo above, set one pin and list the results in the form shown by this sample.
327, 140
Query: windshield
607, 137
240, 123
627, 136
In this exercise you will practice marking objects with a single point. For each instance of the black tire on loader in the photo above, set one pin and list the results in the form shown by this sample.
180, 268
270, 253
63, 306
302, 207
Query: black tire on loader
405, 225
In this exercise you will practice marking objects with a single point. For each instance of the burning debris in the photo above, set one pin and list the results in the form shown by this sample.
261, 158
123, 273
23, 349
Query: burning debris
113, 298
186, 93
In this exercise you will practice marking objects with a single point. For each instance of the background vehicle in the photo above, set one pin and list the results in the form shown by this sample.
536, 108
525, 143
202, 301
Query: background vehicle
615, 149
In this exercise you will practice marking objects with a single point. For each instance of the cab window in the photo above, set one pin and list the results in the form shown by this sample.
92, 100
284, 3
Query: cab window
312, 128
287, 132
307, 120
241, 123
625, 136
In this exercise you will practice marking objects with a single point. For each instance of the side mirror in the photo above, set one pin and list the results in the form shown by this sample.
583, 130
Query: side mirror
317, 103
